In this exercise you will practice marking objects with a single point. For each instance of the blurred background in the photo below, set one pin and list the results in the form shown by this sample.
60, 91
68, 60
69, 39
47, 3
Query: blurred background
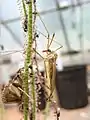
70, 21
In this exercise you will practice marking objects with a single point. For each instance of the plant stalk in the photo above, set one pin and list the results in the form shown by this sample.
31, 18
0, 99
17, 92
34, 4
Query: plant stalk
33, 98
27, 61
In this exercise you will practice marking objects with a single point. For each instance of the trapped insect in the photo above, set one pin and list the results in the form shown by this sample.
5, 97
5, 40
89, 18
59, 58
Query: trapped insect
28, 1
50, 67
25, 28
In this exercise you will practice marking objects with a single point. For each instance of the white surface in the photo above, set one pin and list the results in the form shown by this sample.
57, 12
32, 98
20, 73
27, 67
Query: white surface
4, 74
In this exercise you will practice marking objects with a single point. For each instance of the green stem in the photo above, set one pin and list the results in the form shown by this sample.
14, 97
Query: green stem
34, 98
27, 61
24, 8
46, 111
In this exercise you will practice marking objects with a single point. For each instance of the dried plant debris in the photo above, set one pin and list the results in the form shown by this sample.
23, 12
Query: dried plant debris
56, 110
12, 93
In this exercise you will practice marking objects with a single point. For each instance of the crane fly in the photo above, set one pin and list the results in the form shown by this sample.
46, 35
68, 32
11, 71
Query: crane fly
50, 66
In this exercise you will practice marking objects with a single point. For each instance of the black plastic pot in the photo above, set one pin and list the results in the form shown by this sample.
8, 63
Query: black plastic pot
71, 87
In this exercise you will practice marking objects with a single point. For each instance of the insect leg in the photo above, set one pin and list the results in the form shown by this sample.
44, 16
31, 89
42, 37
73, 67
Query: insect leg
51, 40
48, 42
38, 53
57, 48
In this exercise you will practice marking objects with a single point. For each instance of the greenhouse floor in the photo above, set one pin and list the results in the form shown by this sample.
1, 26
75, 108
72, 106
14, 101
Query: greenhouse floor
12, 113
